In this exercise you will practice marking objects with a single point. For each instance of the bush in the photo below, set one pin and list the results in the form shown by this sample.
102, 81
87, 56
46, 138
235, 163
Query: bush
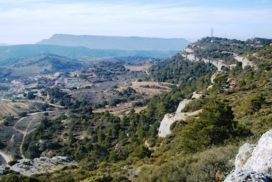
141, 152
17, 178
23, 114
210, 165
8, 120
252, 104
2, 145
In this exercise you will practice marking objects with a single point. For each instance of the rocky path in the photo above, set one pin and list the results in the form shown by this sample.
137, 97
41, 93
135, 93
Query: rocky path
18, 130
26, 131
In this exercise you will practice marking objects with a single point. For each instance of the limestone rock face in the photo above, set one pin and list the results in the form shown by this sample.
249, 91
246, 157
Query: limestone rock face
169, 119
245, 152
261, 160
254, 163
165, 125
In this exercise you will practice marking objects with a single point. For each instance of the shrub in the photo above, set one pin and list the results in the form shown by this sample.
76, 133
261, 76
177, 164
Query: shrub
214, 126
141, 152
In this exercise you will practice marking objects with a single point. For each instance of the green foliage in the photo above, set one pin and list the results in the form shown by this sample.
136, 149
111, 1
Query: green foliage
214, 126
210, 165
221, 48
23, 114
8, 120
30, 95
178, 70
252, 104
195, 105
17, 178
141, 152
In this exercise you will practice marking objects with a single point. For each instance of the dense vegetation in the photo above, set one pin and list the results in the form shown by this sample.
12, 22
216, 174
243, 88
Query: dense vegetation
236, 109
179, 70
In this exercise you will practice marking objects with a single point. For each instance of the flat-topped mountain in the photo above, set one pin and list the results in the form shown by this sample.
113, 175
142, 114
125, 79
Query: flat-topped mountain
116, 42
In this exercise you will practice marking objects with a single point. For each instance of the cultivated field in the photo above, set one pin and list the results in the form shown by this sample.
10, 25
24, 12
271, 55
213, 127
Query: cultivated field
143, 68
151, 88
13, 108
120, 109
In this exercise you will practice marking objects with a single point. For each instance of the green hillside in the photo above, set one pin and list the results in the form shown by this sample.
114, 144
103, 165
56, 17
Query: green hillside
45, 63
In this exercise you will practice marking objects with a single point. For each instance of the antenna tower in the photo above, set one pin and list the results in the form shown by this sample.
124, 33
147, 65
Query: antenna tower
212, 31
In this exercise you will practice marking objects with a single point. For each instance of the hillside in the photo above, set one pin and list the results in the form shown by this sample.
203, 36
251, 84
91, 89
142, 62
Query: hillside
45, 63
115, 42
211, 114
178, 69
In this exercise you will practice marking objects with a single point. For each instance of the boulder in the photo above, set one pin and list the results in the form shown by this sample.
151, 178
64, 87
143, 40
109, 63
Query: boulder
254, 162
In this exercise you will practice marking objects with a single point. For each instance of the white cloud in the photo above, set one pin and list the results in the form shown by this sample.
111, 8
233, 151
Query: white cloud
29, 21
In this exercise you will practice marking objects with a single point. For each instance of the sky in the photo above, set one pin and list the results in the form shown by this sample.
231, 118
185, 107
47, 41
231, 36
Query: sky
29, 21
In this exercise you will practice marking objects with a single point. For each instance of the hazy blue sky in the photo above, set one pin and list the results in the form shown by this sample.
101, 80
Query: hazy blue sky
28, 21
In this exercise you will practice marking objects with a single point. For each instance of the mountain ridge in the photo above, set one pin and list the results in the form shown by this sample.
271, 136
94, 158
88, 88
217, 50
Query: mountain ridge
117, 42
27, 50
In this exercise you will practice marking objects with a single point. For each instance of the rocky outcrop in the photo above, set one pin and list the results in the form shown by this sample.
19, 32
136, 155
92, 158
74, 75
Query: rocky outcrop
169, 119
254, 162
245, 62
41, 165
219, 64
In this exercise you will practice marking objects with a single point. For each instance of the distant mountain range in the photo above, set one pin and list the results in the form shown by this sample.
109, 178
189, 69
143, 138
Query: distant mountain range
117, 43
88, 46
21, 51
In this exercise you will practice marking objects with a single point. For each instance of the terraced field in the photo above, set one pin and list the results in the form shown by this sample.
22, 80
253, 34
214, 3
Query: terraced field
13, 108
151, 88
143, 68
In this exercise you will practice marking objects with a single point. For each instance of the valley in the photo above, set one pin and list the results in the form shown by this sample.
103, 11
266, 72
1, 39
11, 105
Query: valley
52, 90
